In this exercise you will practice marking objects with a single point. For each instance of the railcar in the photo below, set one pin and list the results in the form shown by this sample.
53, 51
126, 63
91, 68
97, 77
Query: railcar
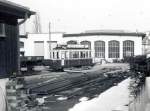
65, 56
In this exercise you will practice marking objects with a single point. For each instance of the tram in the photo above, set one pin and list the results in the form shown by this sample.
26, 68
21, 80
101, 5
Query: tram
71, 55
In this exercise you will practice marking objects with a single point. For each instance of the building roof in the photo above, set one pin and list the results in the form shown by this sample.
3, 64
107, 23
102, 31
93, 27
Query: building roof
106, 33
11, 9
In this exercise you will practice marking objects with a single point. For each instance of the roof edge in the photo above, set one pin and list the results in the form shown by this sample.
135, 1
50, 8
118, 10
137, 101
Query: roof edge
14, 6
105, 33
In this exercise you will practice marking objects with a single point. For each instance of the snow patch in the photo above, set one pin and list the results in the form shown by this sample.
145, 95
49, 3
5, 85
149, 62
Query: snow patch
117, 96
83, 99
62, 98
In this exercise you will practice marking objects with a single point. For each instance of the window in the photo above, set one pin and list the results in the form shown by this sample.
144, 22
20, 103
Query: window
21, 44
128, 48
114, 49
54, 55
82, 54
57, 55
99, 49
72, 42
74, 54
87, 43
87, 55
2, 30
21, 53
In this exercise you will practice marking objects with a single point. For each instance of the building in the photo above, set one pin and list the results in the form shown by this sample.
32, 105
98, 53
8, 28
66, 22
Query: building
10, 13
106, 45
110, 44
39, 44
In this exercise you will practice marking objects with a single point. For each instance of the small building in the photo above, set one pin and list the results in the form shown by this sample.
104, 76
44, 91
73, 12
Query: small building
39, 44
10, 13
105, 45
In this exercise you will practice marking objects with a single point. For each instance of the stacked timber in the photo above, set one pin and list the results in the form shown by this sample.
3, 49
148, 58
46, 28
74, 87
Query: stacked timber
15, 95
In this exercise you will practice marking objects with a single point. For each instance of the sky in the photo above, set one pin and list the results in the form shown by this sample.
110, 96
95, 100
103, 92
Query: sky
75, 16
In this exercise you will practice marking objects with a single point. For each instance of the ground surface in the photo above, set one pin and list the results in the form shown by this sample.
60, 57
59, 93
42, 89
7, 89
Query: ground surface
46, 75
115, 98
66, 99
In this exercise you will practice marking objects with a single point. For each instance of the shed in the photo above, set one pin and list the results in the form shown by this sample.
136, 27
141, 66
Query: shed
9, 36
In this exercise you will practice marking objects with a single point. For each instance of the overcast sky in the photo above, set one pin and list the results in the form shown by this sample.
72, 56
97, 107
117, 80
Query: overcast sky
81, 15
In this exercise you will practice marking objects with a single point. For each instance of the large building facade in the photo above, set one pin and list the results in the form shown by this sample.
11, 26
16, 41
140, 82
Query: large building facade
104, 45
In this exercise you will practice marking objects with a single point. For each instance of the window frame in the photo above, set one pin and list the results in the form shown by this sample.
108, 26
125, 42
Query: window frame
99, 47
85, 42
114, 49
128, 46
71, 42
21, 44
3, 34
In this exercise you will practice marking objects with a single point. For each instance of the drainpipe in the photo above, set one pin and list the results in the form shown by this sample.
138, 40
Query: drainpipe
21, 22
18, 45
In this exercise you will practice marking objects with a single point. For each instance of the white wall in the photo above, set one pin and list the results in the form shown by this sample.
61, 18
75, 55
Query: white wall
29, 43
92, 39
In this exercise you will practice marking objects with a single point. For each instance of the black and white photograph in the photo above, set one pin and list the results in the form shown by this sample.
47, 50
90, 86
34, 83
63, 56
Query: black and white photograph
74, 55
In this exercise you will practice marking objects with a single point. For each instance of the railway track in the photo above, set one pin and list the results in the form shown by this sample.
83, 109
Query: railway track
90, 88
82, 82
62, 83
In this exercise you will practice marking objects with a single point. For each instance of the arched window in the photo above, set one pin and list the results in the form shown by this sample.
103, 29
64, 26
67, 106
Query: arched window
72, 42
114, 49
99, 49
128, 48
88, 43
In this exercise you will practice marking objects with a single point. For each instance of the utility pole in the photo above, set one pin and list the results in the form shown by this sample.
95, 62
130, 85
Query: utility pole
50, 40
